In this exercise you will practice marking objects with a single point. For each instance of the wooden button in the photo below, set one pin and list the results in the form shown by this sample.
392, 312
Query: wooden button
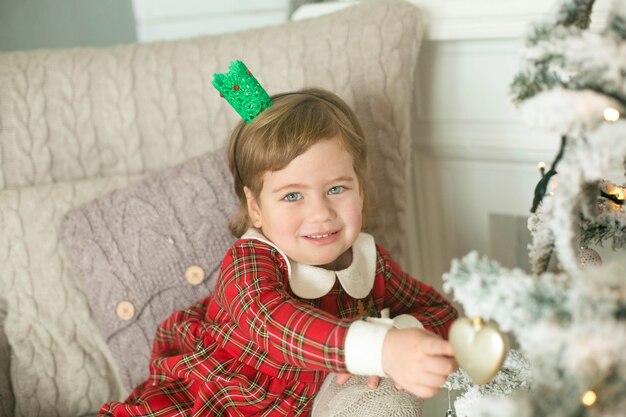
194, 275
125, 310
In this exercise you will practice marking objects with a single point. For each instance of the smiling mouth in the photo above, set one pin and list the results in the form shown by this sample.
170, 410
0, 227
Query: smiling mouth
321, 236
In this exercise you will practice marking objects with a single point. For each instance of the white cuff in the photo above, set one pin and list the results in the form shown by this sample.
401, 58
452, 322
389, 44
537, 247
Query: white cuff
407, 321
364, 346
364, 342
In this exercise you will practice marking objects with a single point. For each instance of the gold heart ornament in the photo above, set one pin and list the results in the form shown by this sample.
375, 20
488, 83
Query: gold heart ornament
480, 348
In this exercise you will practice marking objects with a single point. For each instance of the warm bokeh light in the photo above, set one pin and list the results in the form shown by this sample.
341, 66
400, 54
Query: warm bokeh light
554, 183
589, 398
611, 114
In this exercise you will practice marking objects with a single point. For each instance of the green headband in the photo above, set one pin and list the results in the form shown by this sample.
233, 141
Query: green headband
242, 91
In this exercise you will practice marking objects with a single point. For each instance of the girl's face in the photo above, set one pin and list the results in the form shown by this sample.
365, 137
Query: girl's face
312, 208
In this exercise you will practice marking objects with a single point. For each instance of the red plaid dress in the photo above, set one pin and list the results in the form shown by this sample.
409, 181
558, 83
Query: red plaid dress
253, 348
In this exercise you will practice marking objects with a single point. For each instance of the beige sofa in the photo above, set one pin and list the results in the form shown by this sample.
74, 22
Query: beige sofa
77, 124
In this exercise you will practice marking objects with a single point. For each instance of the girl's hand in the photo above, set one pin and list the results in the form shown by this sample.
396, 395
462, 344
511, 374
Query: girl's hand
372, 381
417, 360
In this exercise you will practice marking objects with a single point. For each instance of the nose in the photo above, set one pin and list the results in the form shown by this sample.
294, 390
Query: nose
320, 210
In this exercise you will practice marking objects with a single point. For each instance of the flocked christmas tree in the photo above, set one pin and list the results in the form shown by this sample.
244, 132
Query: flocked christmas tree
568, 318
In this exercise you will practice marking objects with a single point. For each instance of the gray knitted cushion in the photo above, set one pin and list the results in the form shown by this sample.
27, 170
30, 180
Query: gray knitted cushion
150, 249
356, 399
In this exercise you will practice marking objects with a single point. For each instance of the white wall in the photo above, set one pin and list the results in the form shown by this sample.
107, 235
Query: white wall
475, 162
166, 19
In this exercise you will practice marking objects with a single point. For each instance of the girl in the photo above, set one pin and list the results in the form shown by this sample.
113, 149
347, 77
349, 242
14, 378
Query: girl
290, 303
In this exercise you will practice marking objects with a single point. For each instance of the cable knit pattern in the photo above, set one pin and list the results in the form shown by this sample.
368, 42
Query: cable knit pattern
134, 109
137, 244
60, 365
77, 123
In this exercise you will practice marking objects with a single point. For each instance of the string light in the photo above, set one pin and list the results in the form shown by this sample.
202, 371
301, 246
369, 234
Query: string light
611, 114
542, 168
615, 195
589, 398
554, 183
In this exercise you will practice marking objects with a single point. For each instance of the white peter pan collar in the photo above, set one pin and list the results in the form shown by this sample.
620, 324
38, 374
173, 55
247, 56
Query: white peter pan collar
310, 282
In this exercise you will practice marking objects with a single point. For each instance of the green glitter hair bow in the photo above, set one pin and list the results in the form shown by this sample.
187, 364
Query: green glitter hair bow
242, 91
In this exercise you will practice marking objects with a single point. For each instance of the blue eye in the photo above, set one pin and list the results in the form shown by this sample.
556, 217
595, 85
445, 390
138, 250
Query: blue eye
337, 189
292, 197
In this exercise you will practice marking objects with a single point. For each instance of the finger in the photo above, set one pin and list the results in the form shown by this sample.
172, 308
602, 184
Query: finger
399, 387
439, 365
373, 381
437, 346
342, 378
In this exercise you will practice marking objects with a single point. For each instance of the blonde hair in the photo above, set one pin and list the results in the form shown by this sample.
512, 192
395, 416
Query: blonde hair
287, 129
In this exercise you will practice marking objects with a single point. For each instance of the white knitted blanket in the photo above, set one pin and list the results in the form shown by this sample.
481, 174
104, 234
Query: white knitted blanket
356, 399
